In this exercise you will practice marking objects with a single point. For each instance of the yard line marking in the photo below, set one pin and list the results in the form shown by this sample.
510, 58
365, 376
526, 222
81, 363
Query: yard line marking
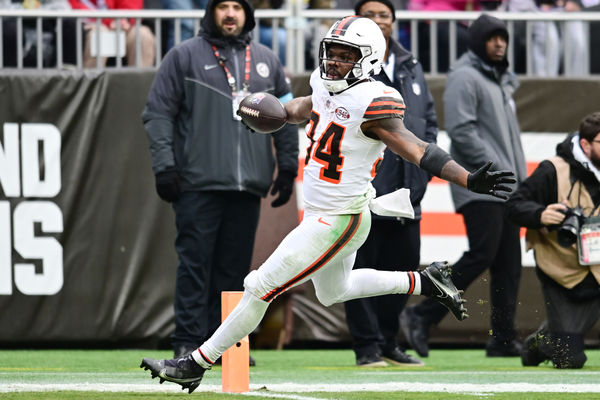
278, 388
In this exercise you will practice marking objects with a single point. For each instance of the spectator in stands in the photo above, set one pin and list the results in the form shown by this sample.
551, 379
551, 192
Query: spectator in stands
265, 27
208, 165
187, 25
594, 37
549, 42
393, 244
480, 118
443, 31
132, 33
568, 181
49, 35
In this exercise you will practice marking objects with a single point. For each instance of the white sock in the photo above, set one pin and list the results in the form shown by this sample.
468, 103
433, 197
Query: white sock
244, 318
367, 282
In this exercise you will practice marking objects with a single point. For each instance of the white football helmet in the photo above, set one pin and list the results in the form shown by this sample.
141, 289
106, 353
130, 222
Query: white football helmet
359, 33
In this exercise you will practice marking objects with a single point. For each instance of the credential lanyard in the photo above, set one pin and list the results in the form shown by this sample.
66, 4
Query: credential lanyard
230, 78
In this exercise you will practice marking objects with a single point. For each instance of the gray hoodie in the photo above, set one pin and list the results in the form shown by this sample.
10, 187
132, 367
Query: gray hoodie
480, 118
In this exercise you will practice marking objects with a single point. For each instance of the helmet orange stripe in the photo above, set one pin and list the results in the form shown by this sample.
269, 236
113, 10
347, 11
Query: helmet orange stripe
343, 25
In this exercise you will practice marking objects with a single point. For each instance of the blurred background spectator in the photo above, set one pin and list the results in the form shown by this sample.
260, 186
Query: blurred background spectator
128, 27
265, 27
49, 35
187, 25
443, 30
551, 41
594, 5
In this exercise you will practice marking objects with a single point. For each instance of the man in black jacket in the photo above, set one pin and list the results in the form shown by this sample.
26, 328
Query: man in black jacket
393, 244
568, 181
481, 122
208, 165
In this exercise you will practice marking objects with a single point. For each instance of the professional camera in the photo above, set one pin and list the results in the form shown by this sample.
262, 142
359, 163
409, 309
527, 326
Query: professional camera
569, 229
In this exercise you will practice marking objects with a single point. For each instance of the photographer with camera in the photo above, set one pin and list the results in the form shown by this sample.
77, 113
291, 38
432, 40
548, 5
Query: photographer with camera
558, 204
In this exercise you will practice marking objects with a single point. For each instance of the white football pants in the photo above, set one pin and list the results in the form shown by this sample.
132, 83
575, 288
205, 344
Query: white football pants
322, 248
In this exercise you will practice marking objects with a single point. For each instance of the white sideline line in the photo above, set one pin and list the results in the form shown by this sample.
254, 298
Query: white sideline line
561, 372
519, 387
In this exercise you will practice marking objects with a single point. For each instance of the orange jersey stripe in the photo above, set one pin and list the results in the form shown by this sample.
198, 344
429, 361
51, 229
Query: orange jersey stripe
389, 111
383, 103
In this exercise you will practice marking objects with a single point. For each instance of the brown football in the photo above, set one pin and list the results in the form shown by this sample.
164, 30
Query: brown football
262, 112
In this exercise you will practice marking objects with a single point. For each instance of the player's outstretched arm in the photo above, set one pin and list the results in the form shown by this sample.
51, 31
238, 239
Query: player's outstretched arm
436, 161
298, 109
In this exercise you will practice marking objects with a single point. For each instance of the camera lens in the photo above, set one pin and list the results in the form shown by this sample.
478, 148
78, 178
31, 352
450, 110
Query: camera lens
567, 233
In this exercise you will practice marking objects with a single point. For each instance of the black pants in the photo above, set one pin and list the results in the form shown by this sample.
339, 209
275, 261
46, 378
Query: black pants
494, 245
215, 240
570, 314
373, 321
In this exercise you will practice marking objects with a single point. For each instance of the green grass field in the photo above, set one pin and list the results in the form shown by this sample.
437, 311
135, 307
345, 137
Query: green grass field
294, 374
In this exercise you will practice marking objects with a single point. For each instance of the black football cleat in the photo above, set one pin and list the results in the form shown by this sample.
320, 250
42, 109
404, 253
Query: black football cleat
448, 295
184, 371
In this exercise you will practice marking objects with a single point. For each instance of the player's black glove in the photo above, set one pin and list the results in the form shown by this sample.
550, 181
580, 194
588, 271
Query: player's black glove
284, 184
244, 122
492, 183
168, 186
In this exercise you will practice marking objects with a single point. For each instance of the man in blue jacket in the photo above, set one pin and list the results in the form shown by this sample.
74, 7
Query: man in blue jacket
393, 244
209, 166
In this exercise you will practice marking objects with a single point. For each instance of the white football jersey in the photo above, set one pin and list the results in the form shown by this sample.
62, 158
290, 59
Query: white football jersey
341, 161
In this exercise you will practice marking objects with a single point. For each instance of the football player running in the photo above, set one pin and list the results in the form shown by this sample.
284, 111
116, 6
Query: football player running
352, 118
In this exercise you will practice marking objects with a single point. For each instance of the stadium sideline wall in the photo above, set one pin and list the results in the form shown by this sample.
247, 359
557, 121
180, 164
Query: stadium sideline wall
86, 246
